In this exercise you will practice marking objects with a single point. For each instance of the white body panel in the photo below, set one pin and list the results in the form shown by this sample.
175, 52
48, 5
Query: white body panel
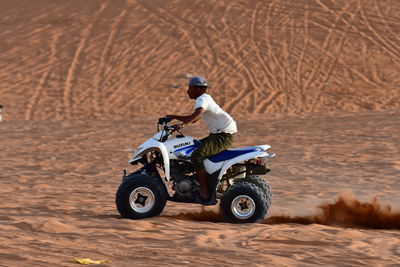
181, 148
212, 167
166, 148
150, 145
178, 143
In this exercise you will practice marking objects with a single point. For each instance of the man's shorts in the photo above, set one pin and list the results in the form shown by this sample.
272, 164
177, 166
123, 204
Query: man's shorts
211, 145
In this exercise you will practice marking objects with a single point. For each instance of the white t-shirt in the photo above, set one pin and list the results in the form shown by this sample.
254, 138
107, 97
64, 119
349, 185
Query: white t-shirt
217, 120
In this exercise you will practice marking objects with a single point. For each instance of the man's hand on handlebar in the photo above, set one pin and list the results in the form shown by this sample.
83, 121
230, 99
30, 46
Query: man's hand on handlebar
164, 120
177, 127
170, 117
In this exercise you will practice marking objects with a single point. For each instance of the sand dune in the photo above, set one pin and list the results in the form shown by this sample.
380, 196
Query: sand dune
83, 83
120, 59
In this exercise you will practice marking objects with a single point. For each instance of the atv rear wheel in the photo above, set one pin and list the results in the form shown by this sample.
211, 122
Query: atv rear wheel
243, 203
140, 196
254, 179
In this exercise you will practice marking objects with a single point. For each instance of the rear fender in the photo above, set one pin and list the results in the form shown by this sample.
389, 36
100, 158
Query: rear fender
229, 163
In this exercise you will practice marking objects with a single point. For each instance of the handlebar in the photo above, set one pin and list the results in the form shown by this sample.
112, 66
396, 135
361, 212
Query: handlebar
164, 120
174, 128
168, 129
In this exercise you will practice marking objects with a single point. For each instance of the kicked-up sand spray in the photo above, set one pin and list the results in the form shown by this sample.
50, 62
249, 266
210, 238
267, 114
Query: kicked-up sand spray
204, 215
347, 211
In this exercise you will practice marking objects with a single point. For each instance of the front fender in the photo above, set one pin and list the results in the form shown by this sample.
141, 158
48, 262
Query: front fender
151, 145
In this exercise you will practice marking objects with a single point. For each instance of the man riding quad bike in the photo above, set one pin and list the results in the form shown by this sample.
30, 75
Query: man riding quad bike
199, 171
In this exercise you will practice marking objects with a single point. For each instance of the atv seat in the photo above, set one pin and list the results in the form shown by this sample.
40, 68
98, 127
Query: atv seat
230, 153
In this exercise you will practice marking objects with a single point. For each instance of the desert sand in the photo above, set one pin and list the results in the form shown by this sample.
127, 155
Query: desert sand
83, 83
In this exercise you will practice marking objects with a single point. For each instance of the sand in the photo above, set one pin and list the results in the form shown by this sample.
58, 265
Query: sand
59, 180
83, 83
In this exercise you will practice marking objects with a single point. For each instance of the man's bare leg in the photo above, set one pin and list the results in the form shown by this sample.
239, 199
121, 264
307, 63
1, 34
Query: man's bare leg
203, 188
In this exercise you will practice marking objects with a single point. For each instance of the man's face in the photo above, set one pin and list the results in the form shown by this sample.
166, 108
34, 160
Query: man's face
194, 91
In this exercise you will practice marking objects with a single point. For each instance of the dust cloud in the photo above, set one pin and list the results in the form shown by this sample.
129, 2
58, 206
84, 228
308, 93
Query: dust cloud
346, 211
204, 215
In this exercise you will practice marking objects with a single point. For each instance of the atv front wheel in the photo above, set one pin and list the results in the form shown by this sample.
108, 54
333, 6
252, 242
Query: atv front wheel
243, 203
140, 196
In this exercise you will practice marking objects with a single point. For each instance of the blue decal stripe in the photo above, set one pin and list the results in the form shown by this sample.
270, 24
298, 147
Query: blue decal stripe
186, 147
230, 154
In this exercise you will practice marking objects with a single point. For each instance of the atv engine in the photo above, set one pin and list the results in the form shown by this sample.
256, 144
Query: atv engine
185, 182
184, 187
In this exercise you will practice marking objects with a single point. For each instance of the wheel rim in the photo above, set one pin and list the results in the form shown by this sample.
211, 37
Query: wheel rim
243, 207
142, 199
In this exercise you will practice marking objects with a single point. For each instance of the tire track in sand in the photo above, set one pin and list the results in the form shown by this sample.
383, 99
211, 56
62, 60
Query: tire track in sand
264, 105
76, 62
136, 52
385, 21
269, 98
275, 63
165, 16
299, 67
332, 62
232, 104
385, 42
265, 68
104, 58
250, 93
325, 49
364, 34
31, 107
118, 98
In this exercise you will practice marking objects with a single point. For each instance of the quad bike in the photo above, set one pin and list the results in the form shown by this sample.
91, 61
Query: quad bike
231, 175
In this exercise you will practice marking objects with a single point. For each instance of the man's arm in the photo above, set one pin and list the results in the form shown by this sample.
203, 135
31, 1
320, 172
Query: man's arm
190, 118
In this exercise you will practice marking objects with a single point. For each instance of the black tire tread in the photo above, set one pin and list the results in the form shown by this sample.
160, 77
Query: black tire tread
250, 190
126, 187
258, 181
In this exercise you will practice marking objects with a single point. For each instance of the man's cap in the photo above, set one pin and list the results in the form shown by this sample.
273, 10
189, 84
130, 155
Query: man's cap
198, 81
